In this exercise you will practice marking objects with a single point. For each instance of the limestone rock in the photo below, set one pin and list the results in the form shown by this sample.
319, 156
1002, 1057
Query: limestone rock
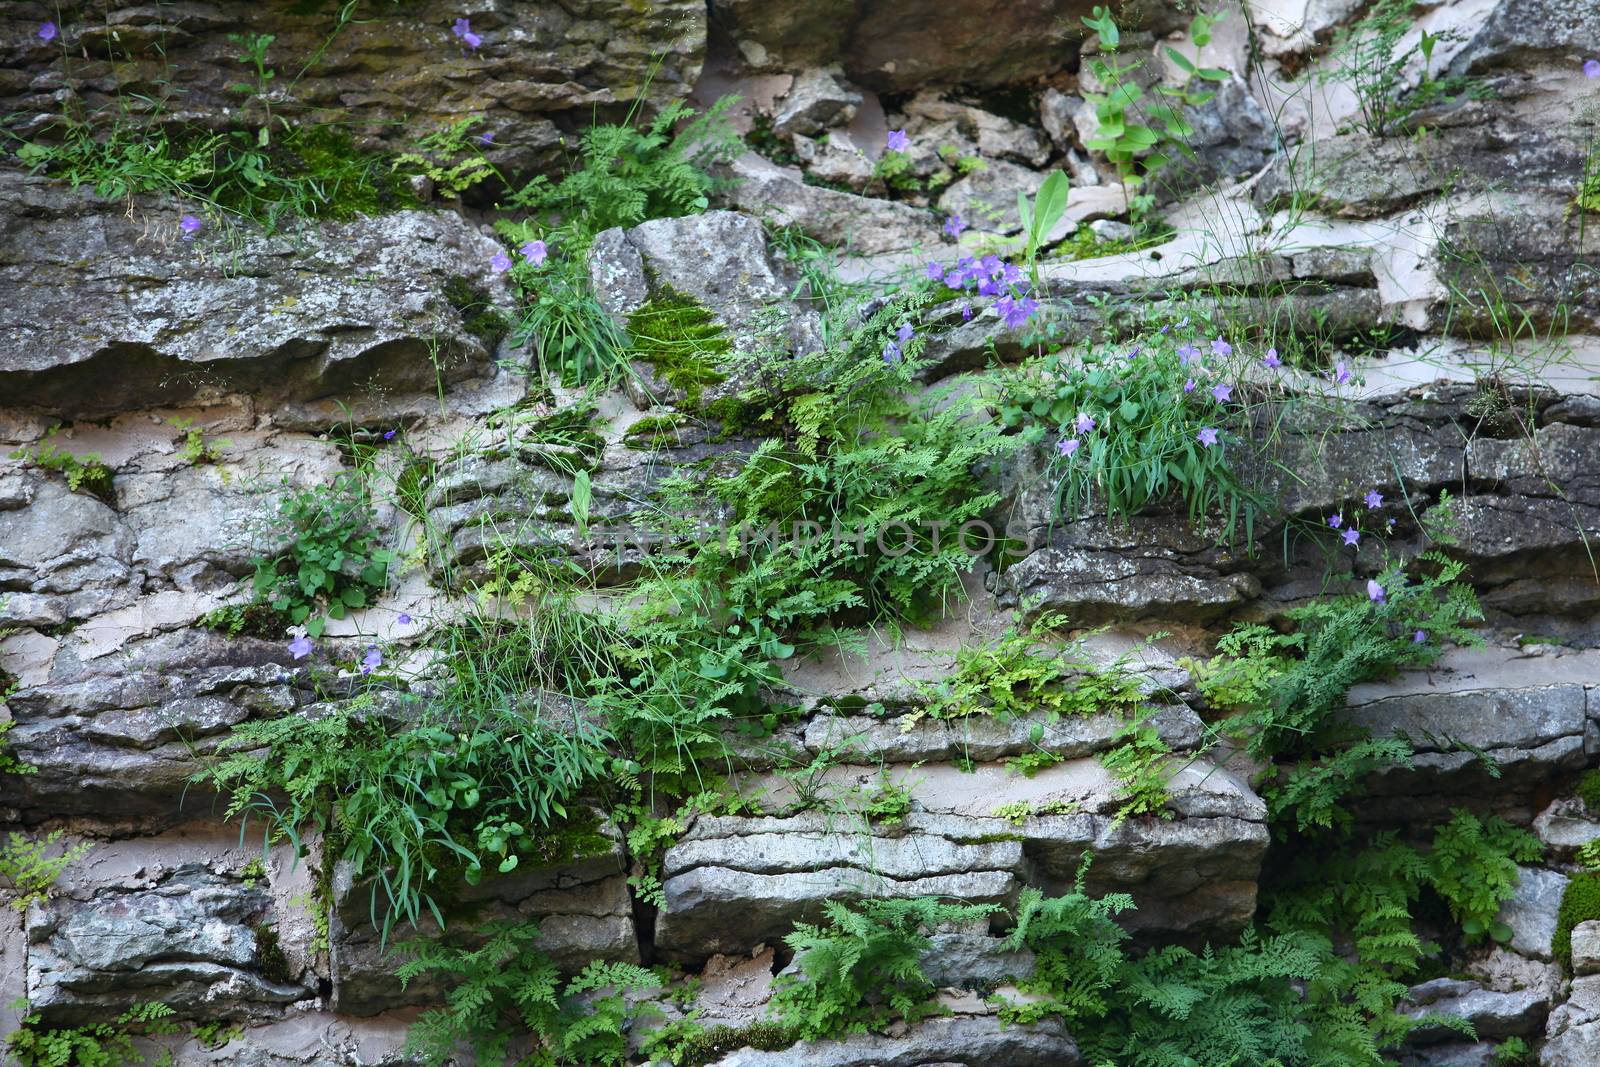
193, 940
986, 199
1531, 912
1493, 1015
117, 736
109, 311
1586, 948
387, 77
1572, 1036
1516, 32
959, 1039
816, 102
857, 224
1526, 715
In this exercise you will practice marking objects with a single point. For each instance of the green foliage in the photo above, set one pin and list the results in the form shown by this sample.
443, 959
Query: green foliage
863, 970
1138, 761
685, 1043
333, 562
1580, 902
416, 809
888, 803
9, 763
1341, 642
97, 1045
1027, 670
1473, 868
86, 472
448, 157
28, 868
1078, 949
1366, 56
506, 987
682, 340
1141, 135
628, 174
1513, 1052
1040, 215
195, 449
1588, 791
1145, 443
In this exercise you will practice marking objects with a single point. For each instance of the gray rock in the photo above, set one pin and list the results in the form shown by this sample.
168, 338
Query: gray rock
119, 735
963, 1040
109, 311
719, 259
1360, 176
835, 161
1572, 1036
1480, 709
1586, 948
972, 959
192, 940
1518, 32
1565, 826
387, 78
987, 199
1531, 912
856, 224
984, 739
935, 120
1493, 1015
816, 102
1055, 115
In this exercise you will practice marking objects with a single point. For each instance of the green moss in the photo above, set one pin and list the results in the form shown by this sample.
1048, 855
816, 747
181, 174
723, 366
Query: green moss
717, 1041
478, 315
654, 431
272, 964
682, 340
1588, 791
740, 417
1580, 903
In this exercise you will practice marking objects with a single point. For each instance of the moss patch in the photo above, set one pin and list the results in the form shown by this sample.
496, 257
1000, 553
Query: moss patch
1580, 903
270, 960
1588, 791
682, 340
654, 431
478, 315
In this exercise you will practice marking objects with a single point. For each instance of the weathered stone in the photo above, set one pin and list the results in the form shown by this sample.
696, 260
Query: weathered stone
1493, 1015
986, 199
1359, 176
1566, 825
856, 224
1572, 1036
992, 136
389, 76
815, 103
189, 939
719, 259
836, 161
1532, 244
1586, 948
109, 311
1491, 729
940, 1041
1531, 911
119, 735
1518, 32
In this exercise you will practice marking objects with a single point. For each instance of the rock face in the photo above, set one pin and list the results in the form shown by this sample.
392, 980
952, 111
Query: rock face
896, 45
1448, 264
540, 70
110, 311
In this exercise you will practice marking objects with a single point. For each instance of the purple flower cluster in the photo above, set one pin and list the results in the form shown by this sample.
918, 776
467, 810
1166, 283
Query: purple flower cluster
47, 31
898, 141
1591, 67
463, 30
989, 276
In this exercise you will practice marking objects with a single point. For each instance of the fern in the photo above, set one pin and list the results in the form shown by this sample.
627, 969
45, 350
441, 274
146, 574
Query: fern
506, 987
864, 969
